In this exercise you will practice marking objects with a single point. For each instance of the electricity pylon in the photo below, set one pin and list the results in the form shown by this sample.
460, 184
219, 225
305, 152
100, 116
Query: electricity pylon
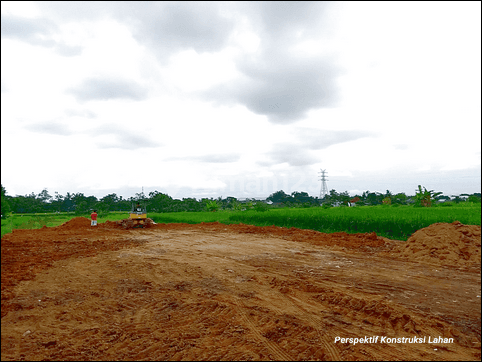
324, 188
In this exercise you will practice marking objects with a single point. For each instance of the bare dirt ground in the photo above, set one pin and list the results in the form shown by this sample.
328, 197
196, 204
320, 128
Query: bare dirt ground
238, 292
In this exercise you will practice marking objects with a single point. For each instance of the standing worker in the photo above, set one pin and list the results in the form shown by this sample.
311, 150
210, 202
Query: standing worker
93, 218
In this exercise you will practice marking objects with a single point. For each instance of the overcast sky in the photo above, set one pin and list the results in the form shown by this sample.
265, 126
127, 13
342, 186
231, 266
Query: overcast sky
240, 99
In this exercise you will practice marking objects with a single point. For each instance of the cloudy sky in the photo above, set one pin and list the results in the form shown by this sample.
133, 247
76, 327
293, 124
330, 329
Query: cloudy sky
240, 99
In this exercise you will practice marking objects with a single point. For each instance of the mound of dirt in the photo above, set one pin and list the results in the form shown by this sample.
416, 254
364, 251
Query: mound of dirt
110, 225
452, 244
76, 223
83, 223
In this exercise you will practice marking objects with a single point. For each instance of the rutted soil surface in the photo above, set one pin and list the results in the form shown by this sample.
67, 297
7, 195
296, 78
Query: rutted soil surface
238, 292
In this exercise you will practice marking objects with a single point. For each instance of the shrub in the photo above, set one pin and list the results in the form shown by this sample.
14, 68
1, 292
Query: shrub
425, 198
261, 206
212, 206
446, 204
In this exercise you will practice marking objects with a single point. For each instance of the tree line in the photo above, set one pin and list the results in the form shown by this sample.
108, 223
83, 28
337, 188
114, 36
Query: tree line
422, 197
156, 201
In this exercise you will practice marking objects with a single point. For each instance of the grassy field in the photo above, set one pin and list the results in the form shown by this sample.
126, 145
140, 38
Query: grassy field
390, 221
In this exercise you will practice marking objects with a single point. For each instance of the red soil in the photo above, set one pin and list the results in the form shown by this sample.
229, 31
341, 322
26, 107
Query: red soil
237, 292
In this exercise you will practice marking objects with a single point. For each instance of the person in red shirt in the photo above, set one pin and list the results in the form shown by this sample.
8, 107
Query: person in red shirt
93, 218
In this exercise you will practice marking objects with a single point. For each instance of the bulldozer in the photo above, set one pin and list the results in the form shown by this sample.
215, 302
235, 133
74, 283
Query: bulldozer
137, 218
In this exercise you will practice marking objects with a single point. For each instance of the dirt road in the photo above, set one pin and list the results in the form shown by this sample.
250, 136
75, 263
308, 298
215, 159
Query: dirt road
237, 292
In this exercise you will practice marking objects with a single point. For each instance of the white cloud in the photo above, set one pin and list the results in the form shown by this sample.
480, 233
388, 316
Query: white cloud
26, 9
191, 71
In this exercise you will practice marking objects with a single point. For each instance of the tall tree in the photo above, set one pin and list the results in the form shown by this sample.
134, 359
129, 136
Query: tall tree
5, 207
399, 198
44, 196
278, 197
57, 202
108, 203
160, 202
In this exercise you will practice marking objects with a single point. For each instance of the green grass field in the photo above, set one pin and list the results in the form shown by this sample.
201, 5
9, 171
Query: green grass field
390, 221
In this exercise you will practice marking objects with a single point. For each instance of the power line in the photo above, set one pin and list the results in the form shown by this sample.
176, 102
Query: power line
324, 188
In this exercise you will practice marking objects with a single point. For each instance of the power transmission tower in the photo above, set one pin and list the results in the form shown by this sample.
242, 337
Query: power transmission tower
324, 188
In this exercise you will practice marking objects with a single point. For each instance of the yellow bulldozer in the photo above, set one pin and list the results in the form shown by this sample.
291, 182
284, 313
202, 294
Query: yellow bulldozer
137, 218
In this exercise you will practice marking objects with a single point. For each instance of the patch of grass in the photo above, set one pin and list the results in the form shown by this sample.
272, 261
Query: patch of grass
32, 221
192, 217
37, 221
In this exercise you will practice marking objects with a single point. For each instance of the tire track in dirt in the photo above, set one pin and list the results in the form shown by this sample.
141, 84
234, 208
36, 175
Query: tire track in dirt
277, 351
381, 353
259, 290
325, 338
284, 286
295, 296
328, 338
328, 345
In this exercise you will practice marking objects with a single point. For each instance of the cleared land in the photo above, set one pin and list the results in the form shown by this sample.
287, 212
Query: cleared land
238, 292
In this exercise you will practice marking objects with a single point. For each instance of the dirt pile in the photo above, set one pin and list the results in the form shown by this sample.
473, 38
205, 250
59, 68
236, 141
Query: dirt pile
110, 225
79, 223
75, 223
452, 244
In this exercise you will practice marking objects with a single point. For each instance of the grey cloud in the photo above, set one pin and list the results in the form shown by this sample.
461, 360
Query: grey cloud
218, 158
213, 158
290, 153
281, 19
278, 82
166, 27
308, 139
281, 87
78, 10
105, 89
80, 113
123, 138
132, 142
172, 26
317, 139
50, 127
67, 50
28, 30
38, 31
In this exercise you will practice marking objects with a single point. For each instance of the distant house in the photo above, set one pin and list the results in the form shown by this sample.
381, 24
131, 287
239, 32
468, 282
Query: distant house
252, 199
